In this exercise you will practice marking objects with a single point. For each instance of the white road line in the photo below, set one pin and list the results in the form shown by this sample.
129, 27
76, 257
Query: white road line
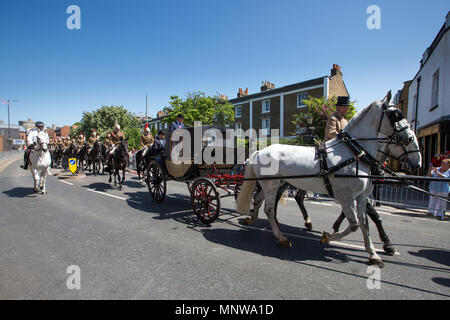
107, 194
69, 183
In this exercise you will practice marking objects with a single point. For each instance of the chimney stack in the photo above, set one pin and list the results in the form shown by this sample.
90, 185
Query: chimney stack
240, 93
246, 92
336, 70
266, 85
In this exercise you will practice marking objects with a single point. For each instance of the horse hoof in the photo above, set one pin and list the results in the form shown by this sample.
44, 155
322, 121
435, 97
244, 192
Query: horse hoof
309, 226
247, 221
285, 243
36, 190
376, 262
389, 249
325, 238
43, 192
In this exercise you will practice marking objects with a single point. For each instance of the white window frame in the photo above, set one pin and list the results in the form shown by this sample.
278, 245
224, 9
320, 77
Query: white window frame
264, 104
237, 128
263, 121
301, 94
435, 90
238, 112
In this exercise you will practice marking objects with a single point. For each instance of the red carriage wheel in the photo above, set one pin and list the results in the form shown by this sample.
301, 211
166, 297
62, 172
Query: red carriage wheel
205, 200
156, 182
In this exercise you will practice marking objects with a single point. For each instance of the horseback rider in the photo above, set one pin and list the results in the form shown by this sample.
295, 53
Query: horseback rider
92, 139
108, 142
146, 140
116, 137
39, 129
81, 139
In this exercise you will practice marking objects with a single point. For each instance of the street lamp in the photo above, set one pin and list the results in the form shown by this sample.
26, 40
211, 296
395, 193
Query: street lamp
9, 123
309, 121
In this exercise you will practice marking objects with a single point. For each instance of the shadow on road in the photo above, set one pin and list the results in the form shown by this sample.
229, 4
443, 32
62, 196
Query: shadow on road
20, 192
438, 256
442, 281
99, 186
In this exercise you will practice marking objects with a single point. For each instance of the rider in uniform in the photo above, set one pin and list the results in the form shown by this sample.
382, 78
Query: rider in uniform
146, 140
108, 142
92, 139
81, 139
116, 137
32, 140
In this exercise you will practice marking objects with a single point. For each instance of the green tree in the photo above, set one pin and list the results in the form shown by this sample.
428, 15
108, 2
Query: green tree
319, 110
199, 107
154, 131
104, 119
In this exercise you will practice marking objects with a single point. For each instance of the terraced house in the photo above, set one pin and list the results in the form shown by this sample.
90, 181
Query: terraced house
274, 108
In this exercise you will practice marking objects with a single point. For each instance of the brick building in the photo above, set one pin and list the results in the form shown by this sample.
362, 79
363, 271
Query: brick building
274, 108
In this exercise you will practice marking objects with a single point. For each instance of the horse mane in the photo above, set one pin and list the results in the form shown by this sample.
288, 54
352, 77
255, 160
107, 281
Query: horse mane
358, 116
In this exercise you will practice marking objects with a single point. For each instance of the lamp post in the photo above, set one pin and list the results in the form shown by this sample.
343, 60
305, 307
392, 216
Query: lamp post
309, 121
9, 122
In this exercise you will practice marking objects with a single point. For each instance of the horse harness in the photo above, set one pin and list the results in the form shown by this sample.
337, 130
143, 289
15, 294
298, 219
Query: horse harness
398, 123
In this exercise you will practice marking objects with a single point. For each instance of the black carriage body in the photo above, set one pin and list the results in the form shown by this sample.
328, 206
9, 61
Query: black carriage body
204, 180
208, 146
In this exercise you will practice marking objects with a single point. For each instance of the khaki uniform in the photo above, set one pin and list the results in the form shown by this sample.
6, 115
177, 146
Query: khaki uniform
117, 137
92, 138
147, 140
108, 143
336, 122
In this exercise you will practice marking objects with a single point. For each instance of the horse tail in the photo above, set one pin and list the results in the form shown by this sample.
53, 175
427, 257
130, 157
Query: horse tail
245, 195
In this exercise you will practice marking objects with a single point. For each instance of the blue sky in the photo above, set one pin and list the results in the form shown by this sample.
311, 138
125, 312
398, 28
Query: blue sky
127, 49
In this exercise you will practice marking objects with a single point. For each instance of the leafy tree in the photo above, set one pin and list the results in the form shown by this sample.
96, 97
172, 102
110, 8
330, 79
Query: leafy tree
320, 109
104, 119
199, 107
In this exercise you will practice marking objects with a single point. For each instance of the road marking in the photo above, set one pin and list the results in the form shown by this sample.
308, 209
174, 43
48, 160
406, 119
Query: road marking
8, 162
107, 194
69, 183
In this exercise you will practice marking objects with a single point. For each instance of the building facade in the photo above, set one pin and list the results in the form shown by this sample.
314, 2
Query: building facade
274, 108
429, 97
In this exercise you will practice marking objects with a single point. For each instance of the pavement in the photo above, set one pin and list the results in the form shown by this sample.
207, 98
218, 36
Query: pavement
127, 247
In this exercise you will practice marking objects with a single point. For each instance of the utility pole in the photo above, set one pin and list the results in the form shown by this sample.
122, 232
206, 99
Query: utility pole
146, 108
9, 123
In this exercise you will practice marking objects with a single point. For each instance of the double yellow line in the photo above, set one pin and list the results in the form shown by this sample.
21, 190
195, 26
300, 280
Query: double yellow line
8, 162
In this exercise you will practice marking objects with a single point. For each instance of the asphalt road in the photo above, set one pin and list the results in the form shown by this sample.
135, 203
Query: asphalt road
128, 247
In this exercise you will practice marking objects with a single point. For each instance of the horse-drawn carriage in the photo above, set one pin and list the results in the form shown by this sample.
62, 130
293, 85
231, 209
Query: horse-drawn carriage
208, 180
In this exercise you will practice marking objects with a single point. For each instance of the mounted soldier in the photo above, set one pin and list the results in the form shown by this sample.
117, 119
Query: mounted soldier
81, 139
116, 137
108, 141
92, 139
39, 129
146, 140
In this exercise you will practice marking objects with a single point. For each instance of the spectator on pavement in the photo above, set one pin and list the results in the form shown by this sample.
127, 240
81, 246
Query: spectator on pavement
436, 206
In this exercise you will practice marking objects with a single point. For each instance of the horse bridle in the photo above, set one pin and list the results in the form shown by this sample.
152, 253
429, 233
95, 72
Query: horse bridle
398, 122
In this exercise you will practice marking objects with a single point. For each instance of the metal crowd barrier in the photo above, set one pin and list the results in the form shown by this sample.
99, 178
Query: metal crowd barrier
398, 195
6, 155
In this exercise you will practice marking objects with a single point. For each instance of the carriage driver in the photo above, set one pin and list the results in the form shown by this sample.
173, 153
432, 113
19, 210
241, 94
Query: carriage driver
32, 140
337, 122
146, 140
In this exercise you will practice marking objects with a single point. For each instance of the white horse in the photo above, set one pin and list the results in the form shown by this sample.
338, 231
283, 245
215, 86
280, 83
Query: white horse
352, 194
40, 161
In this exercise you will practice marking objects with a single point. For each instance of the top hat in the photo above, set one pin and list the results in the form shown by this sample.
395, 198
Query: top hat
343, 102
180, 116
